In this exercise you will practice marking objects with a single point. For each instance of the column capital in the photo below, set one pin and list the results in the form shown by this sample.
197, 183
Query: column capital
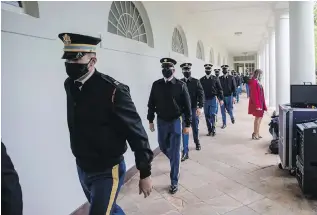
281, 10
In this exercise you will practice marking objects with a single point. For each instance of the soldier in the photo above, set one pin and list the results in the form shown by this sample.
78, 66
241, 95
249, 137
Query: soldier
11, 192
196, 94
217, 73
246, 80
213, 90
238, 80
228, 84
169, 99
101, 118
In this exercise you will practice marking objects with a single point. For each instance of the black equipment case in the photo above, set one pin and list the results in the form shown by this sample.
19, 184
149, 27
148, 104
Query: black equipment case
288, 118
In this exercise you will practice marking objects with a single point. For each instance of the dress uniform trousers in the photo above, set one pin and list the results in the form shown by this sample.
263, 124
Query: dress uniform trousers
194, 125
239, 90
169, 138
102, 188
210, 110
228, 105
247, 89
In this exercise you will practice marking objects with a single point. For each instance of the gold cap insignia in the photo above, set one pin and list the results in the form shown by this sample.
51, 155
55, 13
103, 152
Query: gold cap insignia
67, 39
79, 55
186, 64
165, 60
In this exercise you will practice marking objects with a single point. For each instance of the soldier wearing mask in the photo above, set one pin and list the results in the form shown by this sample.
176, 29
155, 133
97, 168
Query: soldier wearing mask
101, 119
228, 84
196, 94
217, 73
213, 90
238, 80
169, 99
246, 80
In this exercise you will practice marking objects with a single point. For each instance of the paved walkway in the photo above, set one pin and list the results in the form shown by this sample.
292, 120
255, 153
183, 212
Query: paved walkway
231, 175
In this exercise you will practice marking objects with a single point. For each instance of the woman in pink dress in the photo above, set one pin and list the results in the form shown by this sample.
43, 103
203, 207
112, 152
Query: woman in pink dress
257, 104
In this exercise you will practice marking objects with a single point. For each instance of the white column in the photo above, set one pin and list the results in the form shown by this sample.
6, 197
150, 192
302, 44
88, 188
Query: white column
302, 52
264, 66
267, 72
282, 59
272, 84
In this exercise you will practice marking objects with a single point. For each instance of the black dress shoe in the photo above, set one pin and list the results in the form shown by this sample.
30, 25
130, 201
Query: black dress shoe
184, 157
209, 133
198, 147
233, 121
223, 126
173, 189
213, 133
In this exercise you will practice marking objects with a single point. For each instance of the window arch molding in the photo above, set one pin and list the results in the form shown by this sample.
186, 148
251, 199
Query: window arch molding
129, 19
200, 52
179, 41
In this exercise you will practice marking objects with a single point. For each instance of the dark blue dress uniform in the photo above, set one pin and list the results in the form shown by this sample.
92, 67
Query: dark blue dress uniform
11, 193
228, 84
196, 94
101, 118
212, 90
217, 73
169, 99
239, 83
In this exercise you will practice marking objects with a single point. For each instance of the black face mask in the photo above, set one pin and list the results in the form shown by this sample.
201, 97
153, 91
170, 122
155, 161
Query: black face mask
187, 74
208, 72
76, 70
167, 72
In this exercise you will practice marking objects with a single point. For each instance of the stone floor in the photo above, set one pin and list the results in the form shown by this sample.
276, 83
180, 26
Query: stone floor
231, 175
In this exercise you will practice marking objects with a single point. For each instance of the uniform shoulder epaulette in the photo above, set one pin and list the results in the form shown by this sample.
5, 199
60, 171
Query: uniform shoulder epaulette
111, 80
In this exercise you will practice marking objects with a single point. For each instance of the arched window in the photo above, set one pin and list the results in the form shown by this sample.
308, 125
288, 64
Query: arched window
211, 56
200, 51
179, 43
129, 19
219, 60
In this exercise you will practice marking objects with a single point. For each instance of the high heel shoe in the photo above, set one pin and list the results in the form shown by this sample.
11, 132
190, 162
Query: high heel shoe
254, 137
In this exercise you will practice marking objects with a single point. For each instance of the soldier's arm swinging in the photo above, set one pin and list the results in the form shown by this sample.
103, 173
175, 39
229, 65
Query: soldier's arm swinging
186, 106
151, 106
200, 95
137, 138
219, 90
234, 87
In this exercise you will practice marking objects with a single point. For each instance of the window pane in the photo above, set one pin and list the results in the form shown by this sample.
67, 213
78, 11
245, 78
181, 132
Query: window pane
14, 3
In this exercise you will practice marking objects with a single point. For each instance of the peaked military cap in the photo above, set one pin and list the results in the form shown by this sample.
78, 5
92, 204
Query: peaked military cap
208, 65
225, 66
168, 62
186, 65
217, 70
77, 45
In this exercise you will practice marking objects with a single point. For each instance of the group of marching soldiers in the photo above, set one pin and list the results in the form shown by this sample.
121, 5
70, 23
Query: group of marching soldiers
102, 118
179, 103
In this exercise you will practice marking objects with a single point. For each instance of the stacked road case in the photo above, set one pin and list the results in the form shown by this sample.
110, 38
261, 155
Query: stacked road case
288, 118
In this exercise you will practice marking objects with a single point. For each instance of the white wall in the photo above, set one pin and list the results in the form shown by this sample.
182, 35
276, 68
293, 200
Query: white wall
34, 126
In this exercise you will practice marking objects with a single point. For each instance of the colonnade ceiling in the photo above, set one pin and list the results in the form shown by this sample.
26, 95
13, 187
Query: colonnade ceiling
237, 26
